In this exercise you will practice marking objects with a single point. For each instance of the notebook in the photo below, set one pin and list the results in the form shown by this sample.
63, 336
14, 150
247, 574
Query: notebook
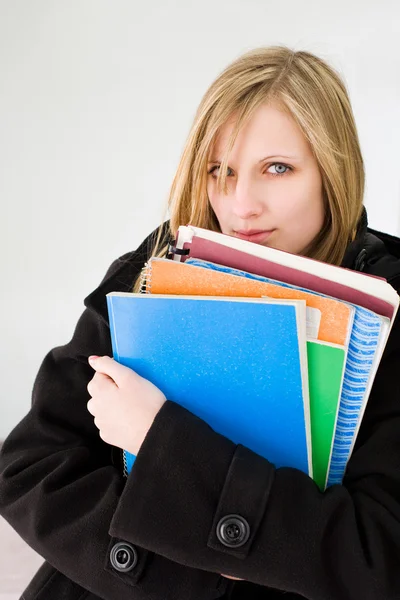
326, 360
240, 364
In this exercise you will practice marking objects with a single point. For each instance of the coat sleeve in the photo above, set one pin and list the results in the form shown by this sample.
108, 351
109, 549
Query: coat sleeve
59, 487
197, 498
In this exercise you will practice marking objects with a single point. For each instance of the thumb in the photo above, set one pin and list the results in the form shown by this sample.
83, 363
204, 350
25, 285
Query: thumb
109, 366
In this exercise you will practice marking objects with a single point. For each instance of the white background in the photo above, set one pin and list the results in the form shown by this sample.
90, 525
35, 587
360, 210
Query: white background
96, 101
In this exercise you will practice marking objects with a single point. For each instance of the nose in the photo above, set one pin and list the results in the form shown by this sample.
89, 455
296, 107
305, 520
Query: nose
246, 203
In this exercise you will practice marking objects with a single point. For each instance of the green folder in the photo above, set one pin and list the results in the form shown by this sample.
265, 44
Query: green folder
326, 364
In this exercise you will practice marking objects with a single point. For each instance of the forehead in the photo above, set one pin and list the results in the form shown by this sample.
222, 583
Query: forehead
270, 130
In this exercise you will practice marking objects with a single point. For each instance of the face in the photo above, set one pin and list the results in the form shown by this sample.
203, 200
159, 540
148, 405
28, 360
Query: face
273, 180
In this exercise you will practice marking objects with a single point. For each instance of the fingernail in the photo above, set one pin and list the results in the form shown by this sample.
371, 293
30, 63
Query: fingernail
93, 357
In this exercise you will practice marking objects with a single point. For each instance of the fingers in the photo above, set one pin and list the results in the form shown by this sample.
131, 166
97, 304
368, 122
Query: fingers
99, 384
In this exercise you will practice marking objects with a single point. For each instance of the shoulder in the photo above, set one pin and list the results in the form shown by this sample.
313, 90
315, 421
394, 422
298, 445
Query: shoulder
123, 270
380, 254
383, 256
135, 258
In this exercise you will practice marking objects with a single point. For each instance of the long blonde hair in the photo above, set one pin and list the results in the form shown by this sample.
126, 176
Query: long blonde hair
313, 93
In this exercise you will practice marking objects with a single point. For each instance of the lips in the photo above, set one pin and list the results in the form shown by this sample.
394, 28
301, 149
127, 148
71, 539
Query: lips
251, 231
254, 235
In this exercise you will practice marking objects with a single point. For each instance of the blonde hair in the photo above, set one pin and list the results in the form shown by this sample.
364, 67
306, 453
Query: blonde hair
313, 93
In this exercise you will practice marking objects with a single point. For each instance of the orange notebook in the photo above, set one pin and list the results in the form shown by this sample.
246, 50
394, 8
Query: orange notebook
164, 276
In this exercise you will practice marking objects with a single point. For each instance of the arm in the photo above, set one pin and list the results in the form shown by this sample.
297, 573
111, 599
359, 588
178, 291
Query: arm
60, 489
344, 543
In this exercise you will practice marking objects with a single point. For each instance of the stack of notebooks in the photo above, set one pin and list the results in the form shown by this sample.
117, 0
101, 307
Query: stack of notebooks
275, 351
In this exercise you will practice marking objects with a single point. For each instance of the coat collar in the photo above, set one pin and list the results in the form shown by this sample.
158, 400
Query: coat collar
374, 253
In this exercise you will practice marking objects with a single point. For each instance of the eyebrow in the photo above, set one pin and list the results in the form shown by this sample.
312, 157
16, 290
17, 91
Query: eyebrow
214, 160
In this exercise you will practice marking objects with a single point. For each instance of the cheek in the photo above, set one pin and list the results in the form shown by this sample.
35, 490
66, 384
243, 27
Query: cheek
305, 222
299, 215
306, 201
308, 208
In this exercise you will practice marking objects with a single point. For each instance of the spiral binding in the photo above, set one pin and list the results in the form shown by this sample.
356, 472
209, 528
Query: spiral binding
144, 279
125, 463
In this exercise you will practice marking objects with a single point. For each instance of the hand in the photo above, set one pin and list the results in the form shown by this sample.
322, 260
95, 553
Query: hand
123, 403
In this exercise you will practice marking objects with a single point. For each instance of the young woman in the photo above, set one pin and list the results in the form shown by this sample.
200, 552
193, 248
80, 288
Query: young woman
273, 156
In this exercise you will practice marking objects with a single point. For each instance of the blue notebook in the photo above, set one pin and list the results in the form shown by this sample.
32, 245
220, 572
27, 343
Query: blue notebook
240, 364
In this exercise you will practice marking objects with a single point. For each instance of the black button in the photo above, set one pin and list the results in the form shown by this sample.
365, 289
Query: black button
233, 531
123, 557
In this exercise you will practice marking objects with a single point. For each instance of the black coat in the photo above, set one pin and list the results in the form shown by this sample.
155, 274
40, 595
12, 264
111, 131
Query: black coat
154, 535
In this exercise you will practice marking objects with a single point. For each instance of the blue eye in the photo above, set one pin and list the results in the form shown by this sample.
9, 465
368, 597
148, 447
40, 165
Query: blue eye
277, 166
